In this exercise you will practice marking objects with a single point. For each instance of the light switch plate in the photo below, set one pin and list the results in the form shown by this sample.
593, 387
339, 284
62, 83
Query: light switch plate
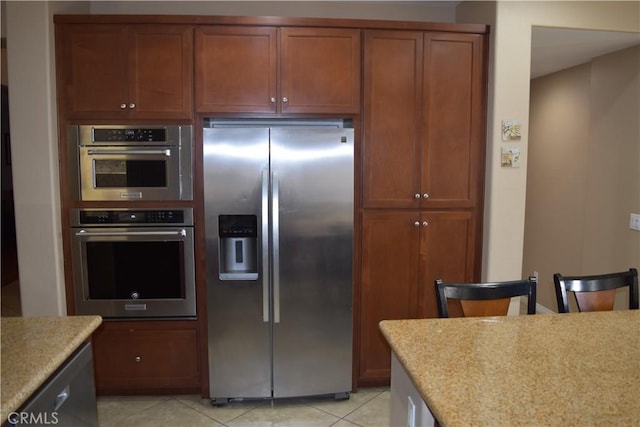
634, 221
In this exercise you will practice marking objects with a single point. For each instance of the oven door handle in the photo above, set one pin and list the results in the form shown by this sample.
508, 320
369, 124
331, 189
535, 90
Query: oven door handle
182, 233
125, 152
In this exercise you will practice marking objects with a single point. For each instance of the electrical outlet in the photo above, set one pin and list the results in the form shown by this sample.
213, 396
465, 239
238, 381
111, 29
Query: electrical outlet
634, 222
411, 413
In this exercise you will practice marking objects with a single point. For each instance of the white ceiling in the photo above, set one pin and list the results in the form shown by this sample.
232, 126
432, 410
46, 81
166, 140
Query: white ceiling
554, 49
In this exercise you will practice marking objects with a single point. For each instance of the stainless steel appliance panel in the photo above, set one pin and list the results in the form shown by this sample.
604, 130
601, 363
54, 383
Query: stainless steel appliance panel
68, 398
130, 162
312, 214
236, 180
286, 330
117, 173
133, 263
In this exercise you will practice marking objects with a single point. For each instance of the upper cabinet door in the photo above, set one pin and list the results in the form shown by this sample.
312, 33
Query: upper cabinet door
319, 70
160, 71
112, 71
236, 69
92, 70
453, 105
392, 119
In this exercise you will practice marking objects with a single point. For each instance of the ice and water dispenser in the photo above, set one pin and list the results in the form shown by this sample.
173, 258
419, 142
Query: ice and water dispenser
238, 247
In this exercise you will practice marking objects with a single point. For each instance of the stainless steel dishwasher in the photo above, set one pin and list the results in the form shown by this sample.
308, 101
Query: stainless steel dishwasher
67, 399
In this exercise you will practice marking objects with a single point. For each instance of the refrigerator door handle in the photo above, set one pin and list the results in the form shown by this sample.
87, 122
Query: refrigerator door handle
275, 206
265, 245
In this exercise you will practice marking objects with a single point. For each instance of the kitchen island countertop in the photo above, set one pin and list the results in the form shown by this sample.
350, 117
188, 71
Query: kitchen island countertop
554, 369
33, 348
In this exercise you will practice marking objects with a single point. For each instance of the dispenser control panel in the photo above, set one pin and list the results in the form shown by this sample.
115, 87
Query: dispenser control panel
238, 225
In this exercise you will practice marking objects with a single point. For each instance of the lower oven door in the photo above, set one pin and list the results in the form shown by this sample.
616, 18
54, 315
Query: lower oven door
130, 173
134, 272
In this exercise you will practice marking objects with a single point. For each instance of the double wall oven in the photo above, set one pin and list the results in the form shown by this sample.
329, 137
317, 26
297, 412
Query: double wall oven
132, 261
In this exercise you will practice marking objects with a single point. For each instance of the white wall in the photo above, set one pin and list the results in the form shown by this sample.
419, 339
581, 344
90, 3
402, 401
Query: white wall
584, 174
34, 154
509, 99
436, 11
556, 190
614, 171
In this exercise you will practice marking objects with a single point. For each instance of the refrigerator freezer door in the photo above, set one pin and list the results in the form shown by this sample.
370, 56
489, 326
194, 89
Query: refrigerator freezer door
312, 340
236, 162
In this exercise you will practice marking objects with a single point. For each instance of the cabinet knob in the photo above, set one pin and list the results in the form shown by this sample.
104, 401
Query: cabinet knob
284, 99
425, 196
123, 106
416, 224
425, 223
416, 196
132, 105
273, 100
138, 359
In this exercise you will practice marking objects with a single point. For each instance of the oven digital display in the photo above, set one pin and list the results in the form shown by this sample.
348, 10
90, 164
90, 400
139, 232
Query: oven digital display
131, 217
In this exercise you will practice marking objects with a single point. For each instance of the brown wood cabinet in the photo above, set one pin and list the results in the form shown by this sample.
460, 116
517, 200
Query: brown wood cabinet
116, 71
403, 252
423, 119
146, 357
423, 157
389, 285
392, 119
277, 70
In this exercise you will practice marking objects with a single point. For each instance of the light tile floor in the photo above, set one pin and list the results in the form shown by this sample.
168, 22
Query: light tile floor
367, 408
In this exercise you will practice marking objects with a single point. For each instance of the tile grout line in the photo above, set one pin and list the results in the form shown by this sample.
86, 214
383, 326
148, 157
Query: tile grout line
198, 412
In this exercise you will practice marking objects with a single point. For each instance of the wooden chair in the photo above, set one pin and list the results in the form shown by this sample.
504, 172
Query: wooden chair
485, 299
597, 292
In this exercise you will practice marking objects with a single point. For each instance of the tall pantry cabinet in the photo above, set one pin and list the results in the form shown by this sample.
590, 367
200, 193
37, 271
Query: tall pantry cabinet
422, 184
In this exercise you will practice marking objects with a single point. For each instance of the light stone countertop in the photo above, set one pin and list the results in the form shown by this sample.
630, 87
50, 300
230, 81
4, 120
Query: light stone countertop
32, 349
578, 369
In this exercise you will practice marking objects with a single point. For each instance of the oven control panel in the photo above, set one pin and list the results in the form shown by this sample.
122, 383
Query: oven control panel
88, 217
129, 135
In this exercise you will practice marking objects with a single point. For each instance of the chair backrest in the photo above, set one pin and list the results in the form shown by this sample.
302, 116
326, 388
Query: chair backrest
485, 299
596, 292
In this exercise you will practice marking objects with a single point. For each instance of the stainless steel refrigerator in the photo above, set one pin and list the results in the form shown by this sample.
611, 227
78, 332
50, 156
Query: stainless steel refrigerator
279, 244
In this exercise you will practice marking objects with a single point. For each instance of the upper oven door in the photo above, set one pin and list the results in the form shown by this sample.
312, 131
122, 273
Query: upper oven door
134, 272
130, 173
